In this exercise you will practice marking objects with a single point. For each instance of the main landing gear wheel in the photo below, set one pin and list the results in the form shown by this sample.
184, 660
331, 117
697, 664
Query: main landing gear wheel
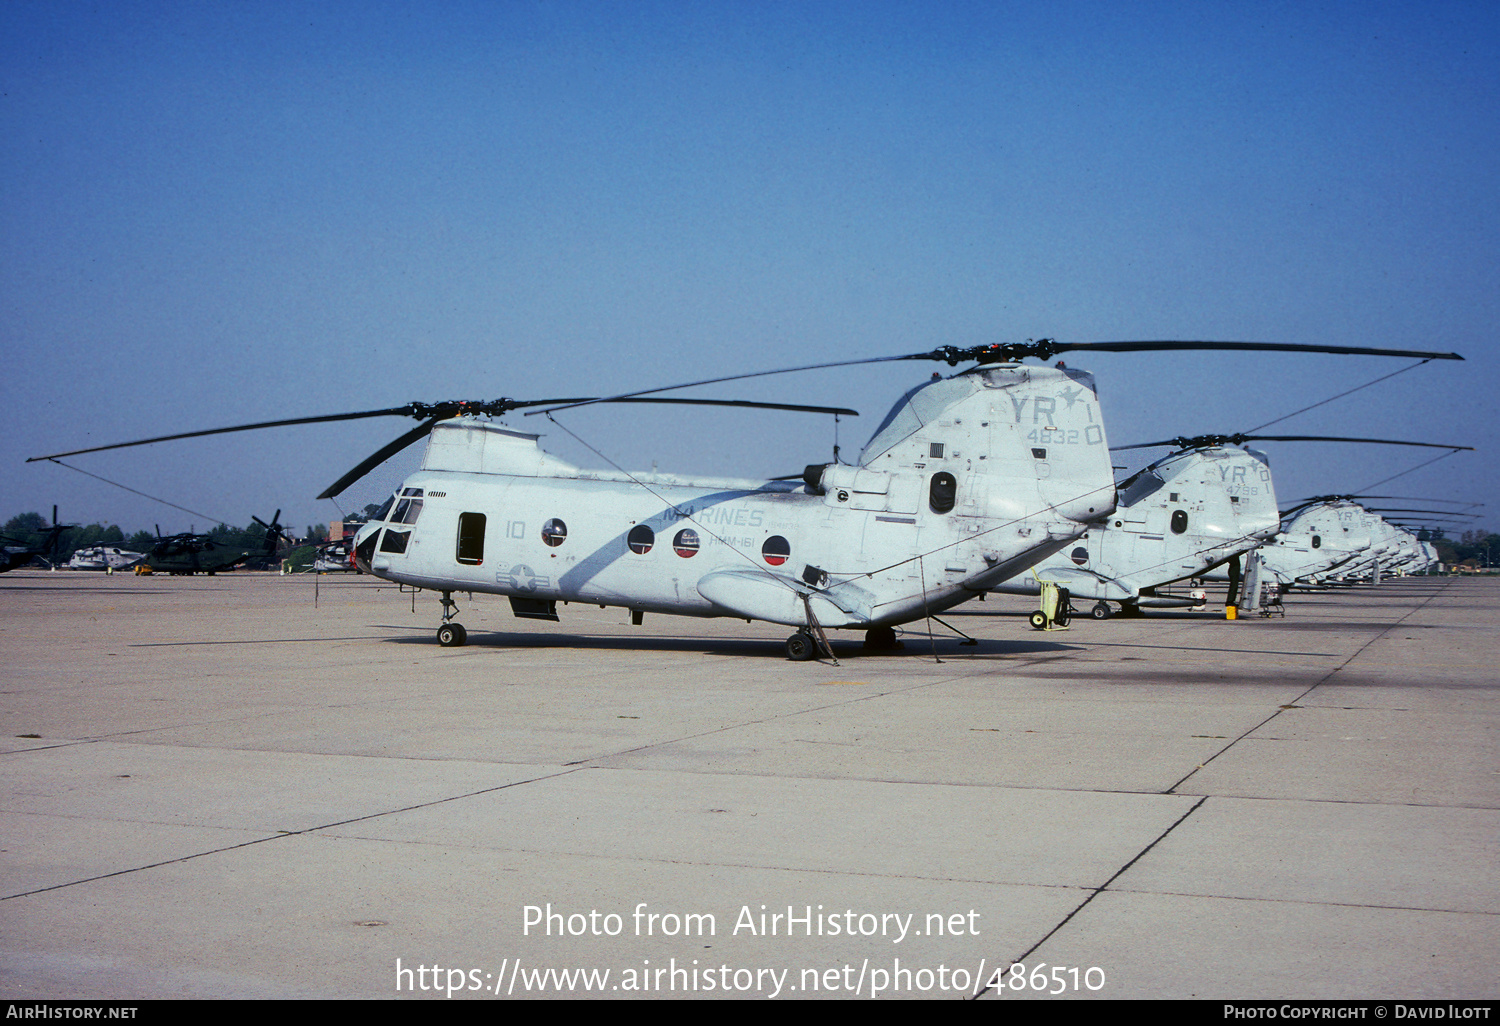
1101, 611
1039, 620
882, 639
801, 647
451, 635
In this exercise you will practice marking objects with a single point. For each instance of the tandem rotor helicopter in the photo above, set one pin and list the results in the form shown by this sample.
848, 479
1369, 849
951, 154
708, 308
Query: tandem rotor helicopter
967, 481
1201, 507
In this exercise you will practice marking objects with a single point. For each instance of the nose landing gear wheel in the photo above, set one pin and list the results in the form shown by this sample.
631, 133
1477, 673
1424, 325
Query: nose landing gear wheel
800, 647
1101, 611
452, 635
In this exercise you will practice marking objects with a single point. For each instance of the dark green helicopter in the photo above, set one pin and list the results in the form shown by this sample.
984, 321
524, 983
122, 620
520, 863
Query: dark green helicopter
186, 554
22, 553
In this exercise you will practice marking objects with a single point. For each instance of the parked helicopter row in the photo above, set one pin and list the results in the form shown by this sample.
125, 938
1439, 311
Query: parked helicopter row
970, 483
1194, 514
1336, 540
175, 554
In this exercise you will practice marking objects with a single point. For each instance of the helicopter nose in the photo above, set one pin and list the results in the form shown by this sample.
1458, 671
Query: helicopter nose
364, 546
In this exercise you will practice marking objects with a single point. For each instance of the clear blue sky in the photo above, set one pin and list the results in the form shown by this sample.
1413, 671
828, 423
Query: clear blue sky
226, 212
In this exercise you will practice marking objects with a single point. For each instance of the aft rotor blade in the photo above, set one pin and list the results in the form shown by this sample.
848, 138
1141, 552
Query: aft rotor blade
1402, 498
628, 396
1422, 520
1206, 441
378, 457
1406, 498
1277, 347
1044, 349
1371, 441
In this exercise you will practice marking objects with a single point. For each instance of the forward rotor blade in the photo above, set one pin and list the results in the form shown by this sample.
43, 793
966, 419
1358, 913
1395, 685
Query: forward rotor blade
378, 457
398, 411
837, 410
421, 430
440, 411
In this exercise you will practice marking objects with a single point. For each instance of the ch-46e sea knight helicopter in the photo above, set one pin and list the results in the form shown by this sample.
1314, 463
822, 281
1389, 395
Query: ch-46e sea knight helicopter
1186, 513
1185, 516
1316, 539
967, 481
1330, 536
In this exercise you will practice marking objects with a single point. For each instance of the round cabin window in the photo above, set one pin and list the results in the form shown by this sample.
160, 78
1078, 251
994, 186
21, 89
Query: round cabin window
554, 532
776, 550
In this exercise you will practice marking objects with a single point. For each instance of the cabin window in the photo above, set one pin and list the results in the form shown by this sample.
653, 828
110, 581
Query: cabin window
776, 550
640, 539
1079, 555
554, 532
942, 493
686, 543
1179, 521
470, 538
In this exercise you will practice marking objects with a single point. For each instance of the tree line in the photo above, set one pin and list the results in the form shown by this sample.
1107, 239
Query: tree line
1473, 548
33, 530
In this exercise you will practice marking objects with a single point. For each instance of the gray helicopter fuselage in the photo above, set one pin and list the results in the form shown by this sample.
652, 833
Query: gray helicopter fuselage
969, 480
1176, 519
1318, 540
1384, 550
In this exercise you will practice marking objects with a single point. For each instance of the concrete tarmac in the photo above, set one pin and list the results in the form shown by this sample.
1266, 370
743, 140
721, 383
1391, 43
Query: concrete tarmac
256, 786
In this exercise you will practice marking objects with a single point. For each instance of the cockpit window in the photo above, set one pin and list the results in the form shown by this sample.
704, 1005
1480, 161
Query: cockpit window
380, 514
